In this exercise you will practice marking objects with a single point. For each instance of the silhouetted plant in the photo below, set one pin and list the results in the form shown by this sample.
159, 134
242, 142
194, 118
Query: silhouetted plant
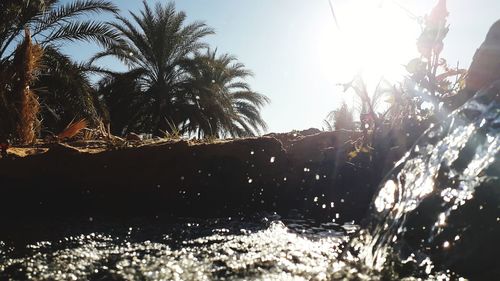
65, 92
218, 101
127, 105
48, 23
340, 119
155, 47
435, 81
423, 97
171, 85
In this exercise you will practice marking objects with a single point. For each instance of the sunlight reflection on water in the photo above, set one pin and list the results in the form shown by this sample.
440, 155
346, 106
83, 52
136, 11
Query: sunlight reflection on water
298, 251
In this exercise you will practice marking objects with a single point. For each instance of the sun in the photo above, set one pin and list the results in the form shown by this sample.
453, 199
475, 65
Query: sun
373, 38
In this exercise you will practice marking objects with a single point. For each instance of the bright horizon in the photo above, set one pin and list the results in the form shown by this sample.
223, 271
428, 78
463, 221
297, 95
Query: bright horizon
299, 55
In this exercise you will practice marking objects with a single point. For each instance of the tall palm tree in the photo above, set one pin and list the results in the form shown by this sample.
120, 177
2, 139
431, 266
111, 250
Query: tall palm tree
218, 102
155, 46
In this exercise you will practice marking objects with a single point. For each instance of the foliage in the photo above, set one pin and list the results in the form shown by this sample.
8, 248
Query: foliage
424, 96
154, 49
65, 92
340, 119
170, 85
431, 74
431, 83
217, 100
51, 23
48, 23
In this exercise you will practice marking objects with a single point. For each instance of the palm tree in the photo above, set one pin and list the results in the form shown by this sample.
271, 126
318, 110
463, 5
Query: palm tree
129, 108
65, 92
48, 23
155, 47
218, 102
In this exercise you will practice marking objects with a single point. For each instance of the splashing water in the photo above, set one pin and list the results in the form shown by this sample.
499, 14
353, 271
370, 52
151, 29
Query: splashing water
266, 249
442, 202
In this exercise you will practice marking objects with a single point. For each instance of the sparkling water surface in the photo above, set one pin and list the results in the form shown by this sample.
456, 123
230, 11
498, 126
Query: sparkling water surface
264, 248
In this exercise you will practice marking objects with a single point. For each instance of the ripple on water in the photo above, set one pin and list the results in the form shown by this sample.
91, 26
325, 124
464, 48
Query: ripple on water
275, 252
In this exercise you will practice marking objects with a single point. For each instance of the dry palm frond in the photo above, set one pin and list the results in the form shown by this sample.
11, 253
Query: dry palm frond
72, 129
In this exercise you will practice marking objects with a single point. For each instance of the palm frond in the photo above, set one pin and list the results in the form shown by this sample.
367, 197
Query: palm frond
90, 31
72, 129
62, 14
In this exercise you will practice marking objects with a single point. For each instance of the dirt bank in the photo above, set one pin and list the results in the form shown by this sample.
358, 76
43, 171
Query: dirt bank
280, 172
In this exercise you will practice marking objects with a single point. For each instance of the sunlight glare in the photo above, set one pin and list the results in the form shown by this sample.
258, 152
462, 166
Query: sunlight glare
375, 39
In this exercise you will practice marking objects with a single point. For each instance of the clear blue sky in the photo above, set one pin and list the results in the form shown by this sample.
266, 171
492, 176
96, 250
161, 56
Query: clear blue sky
298, 55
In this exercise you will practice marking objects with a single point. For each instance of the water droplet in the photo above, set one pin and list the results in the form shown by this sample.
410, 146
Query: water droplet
457, 237
316, 199
250, 180
441, 219
482, 123
272, 159
317, 177
252, 152
323, 206
446, 244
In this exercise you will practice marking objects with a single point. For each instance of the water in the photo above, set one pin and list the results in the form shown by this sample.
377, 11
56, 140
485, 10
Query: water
259, 248
435, 217
439, 209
